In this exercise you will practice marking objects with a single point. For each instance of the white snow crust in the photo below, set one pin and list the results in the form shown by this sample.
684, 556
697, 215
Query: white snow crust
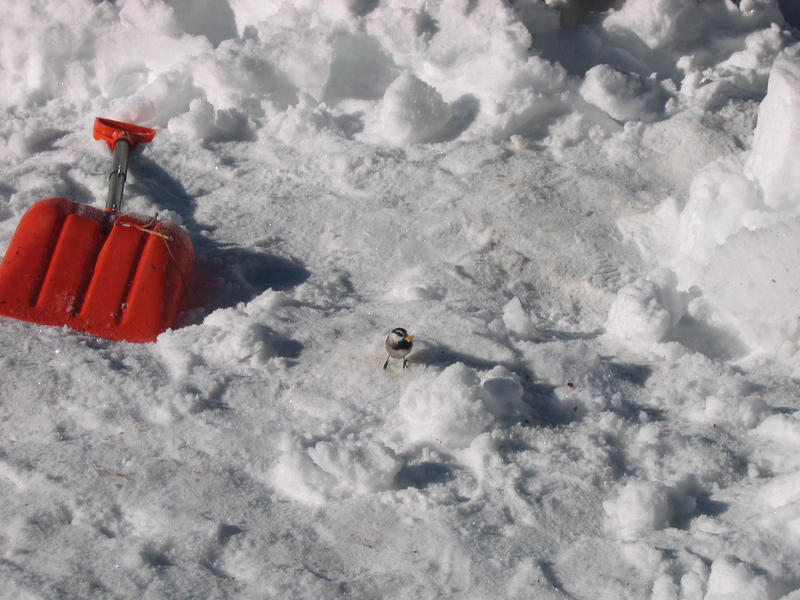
586, 212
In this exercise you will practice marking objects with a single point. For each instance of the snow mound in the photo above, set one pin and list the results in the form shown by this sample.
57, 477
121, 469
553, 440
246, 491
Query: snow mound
444, 410
232, 336
646, 310
645, 506
731, 577
674, 24
517, 320
784, 429
640, 507
505, 392
783, 491
413, 111
624, 96
334, 470
204, 123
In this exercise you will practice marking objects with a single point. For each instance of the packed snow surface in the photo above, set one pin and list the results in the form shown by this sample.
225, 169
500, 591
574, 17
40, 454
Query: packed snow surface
587, 214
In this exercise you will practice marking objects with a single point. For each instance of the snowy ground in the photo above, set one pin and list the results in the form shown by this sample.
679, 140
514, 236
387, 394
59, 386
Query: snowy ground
589, 221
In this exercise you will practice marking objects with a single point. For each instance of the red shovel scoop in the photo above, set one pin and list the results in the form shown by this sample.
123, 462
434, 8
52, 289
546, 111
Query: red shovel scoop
118, 276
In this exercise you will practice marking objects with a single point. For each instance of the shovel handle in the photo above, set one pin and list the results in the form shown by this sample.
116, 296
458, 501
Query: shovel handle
121, 139
112, 131
116, 179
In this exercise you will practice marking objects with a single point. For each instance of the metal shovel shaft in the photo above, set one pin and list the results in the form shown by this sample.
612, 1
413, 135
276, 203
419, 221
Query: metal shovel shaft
116, 179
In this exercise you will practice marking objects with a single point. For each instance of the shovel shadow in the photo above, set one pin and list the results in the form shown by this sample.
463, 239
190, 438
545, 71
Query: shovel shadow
223, 275
169, 194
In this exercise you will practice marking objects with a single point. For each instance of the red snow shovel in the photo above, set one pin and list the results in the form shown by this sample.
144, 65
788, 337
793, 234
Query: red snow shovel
117, 276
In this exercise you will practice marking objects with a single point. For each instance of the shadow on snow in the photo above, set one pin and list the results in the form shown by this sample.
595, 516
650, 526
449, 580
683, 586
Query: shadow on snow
223, 275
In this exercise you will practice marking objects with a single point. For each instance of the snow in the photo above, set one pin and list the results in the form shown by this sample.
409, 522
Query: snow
777, 132
583, 211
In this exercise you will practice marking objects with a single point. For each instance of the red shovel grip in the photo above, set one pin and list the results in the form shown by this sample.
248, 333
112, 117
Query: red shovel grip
112, 131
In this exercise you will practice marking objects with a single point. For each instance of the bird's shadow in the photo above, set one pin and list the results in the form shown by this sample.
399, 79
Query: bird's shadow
541, 405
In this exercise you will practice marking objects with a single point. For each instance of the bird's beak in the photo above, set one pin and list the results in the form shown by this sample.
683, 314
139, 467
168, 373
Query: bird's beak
409, 338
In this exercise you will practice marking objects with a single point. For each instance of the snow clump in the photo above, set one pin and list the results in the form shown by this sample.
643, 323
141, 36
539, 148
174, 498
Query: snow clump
446, 410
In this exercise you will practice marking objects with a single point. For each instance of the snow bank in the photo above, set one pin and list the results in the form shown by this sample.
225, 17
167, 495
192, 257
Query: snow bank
735, 238
476, 58
777, 136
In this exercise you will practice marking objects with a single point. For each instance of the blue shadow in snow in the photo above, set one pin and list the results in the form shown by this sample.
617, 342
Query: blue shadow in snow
422, 475
223, 275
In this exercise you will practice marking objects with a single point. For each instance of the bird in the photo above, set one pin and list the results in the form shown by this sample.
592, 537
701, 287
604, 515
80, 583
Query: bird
398, 345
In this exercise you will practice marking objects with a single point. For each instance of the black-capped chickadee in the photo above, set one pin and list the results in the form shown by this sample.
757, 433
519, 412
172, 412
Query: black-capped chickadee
398, 345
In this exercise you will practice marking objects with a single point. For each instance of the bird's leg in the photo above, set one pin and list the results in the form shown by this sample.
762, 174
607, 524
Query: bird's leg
405, 363
386, 363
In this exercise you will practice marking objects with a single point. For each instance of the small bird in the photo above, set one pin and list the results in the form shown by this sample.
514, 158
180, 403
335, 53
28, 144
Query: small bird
398, 345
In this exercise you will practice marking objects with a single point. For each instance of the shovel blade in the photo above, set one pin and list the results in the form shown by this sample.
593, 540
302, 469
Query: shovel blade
72, 264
